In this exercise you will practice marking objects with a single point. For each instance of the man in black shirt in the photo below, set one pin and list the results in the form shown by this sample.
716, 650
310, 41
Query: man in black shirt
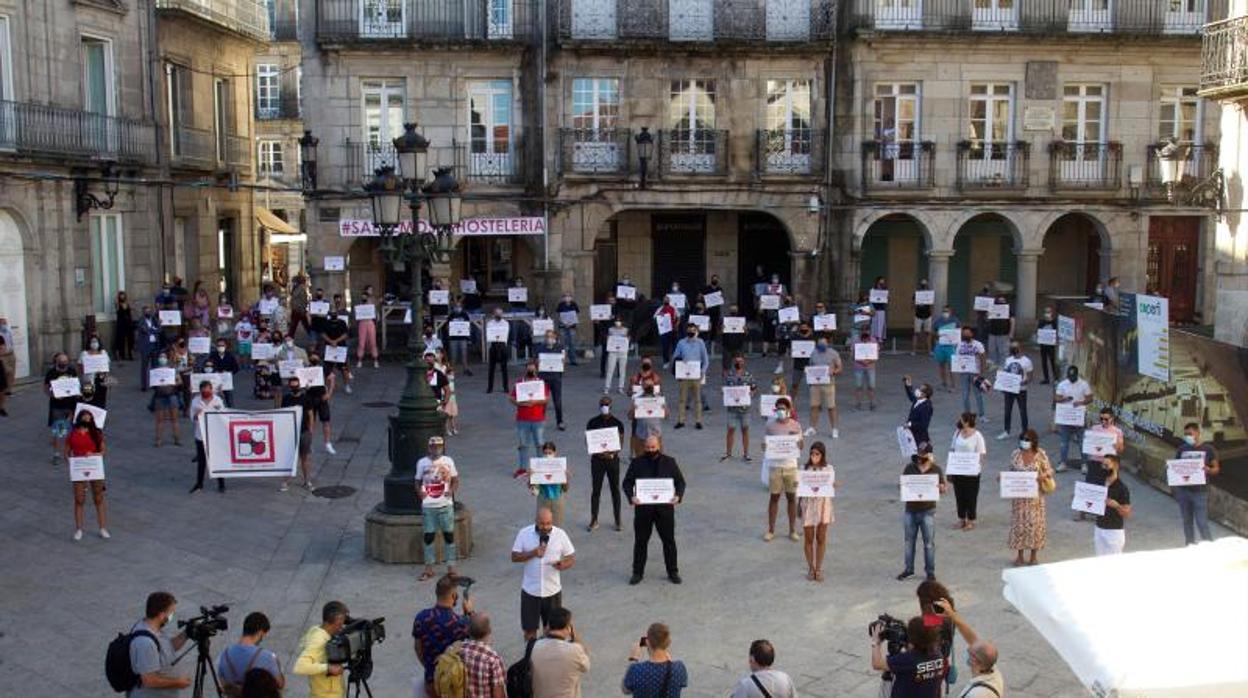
713, 311
458, 346
654, 465
919, 671
1000, 330
733, 343
922, 324
626, 306
60, 409
298, 397
1193, 500
606, 464
1110, 537
335, 334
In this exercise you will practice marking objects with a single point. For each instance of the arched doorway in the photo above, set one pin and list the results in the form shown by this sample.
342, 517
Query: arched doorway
13, 290
1071, 263
895, 247
983, 252
762, 241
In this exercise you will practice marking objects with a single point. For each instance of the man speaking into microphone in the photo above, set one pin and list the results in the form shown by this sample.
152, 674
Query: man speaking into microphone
654, 486
545, 550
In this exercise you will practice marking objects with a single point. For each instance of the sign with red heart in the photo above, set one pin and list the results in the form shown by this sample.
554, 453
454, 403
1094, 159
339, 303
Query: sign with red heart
548, 471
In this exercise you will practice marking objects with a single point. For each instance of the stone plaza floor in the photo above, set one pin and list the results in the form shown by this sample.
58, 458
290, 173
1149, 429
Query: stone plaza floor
288, 553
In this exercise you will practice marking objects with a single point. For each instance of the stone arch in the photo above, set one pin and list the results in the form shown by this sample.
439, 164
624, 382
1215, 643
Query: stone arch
1102, 230
985, 246
925, 223
19, 290
1016, 227
1075, 253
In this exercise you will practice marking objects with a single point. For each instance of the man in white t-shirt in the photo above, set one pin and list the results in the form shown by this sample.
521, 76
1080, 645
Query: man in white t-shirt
1018, 364
1075, 391
545, 550
763, 681
969, 346
437, 480
204, 401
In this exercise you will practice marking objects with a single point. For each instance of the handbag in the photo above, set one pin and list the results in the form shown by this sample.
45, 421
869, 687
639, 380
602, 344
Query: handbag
1048, 483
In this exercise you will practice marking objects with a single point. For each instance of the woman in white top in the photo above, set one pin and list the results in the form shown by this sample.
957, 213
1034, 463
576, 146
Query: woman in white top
98, 380
967, 439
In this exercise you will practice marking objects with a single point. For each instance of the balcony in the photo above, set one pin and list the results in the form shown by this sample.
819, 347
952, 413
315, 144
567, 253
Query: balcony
600, 152
693, 152
426, 21
38, 130
487, 163
1044, 17
238, 152
898, 166
1224, 59
693, 22
204, 149
286, 106
249, 18
285, 29
1085, 166
1202, 160
993, 166
798, 152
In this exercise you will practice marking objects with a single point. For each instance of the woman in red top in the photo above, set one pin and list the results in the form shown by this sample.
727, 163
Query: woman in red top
85, 439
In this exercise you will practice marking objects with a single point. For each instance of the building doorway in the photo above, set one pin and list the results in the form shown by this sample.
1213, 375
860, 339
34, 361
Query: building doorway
679, 253
894, 247
1071, 263
762, 241
983, 253
1173, 242
13, 291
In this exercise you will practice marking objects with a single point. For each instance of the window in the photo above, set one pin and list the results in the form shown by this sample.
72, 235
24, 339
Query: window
221, 117
178, 98
382, 19
6, 61
789, 137
691, 115
500, 19
489, 128
383, 121
108, 260
97, 76
268, 91
896, 119
595, 115
271, 158
1179, 116
991, 113
1083, 113
899, 14
1091, 15
995, 15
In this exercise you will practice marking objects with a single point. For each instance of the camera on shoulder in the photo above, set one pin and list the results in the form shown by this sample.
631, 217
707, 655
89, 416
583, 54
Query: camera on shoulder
891, 631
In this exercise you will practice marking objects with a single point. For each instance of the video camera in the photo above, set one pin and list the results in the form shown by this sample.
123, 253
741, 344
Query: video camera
352, 646
892, 632
210, 622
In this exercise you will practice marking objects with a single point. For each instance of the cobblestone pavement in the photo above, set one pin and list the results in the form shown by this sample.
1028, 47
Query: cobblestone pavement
288, 553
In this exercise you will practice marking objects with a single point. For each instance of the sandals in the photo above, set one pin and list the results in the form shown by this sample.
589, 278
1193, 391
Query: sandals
725, 457
427, 575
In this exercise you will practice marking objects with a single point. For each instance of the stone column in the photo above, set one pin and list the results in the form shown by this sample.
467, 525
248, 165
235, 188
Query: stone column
1025, 292
938, 277
802, 267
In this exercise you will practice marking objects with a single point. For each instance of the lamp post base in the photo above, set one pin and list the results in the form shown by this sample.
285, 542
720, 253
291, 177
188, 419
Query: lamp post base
399, 538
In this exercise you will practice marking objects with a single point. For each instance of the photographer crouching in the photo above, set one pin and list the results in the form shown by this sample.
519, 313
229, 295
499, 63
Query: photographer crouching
324, 679
913, 663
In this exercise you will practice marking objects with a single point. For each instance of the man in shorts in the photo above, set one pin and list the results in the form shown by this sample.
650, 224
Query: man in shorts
824, 396
738, 417
864, 375
922, 324
782, 472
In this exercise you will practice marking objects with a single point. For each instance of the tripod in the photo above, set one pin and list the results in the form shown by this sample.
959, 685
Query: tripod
203, 668
358, 673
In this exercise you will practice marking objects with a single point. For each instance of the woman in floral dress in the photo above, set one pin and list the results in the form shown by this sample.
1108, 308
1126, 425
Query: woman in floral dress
1028, 529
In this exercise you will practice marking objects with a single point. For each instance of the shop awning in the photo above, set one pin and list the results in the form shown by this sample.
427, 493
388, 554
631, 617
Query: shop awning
266, 218
284, 239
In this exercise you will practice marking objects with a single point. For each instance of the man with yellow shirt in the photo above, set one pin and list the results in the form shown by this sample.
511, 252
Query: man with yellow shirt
324, 679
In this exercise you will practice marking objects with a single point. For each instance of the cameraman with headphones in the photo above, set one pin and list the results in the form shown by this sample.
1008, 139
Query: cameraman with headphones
919, 671
324, 679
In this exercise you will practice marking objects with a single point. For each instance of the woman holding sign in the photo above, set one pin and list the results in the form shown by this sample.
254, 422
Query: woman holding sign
944, 348
123, 331
1028, 528
93, 364
816, 514
84, 441
164, 404
965, 477
365, 329
879, 303
552, 497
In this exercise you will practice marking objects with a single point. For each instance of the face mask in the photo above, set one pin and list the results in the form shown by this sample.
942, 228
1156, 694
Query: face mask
1015, 351
675, 288
459, 308
653, 453
645, 367
619, 323
821, 347
95, 344
945, 315
170, 621
1189, 439
739, 366
550, 342
221, 350
1024, 445
62, 365
207, 394
1048, 316
966, 338
775, 389
290, 343
604, 409
162, 361
1072, 376
692, 334
782, 415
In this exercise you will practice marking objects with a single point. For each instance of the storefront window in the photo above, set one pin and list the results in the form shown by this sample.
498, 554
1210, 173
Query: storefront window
491, 262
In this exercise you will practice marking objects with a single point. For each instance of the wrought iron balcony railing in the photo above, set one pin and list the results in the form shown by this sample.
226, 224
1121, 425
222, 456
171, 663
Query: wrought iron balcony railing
466, 21
693, 21
238, 152
603, 152
699, 151
1048, 17
993, 165
1085, 166
498, 163
249, 18
286, 106
1202, 160
795, 152
1224, 59
892, 165
37, 129
193, 147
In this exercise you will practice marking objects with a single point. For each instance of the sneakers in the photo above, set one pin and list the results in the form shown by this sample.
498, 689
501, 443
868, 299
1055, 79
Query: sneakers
779, 369
793, 536
284, 488
519, 473
810, 431
634, 580
1061, 468
329, 448
679, 425
697, 425
78, 535
105, 534
307, 485
768, 536
359, 363
375, 364
347, 388
674, 578
904, 576
1003, 436
836, 433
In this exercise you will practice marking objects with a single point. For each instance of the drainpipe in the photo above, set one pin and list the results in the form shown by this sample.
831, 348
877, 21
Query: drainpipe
153, 111
541, 95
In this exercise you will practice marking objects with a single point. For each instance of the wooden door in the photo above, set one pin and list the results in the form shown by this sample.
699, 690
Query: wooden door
1172, 254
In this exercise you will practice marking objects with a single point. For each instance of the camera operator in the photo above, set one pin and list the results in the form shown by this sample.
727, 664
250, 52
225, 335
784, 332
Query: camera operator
246, 654
981, 657
918, 671
152, 656
324, 679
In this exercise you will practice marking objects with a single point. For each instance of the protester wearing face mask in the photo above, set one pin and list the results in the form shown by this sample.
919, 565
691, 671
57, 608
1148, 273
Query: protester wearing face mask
366, 332
712, 311
568, 315
667, 340
1193, 500
1028, 524
1109, 537
1074, 391
967, 439
654, 464
60, 409
626, 306
85, 439
781, 473
320, 396
223, 361
498, 350
244, 336
691, 348
804, 333
1093, 471
153, 652
969, 346
150, 341
645, 427
645, 371
1048, 352
530, 420
1018, 364
864, 375
738, 416
605, 465
919, 518
943, 353
204, 401
922, 324
824, 396
336, 334
164, 402
879, 321
616, 362
458, 346
99, 380
554, 379
732, 343
920, 416
296, 396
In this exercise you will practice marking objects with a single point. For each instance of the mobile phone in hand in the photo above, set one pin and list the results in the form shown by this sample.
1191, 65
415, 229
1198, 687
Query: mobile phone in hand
642, 641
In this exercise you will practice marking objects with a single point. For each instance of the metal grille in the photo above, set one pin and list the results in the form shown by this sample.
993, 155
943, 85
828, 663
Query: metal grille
1148, 17
698, 21
993, 164
1224, 58
898, 165
40, 129
797, 151
425, 20
699, 151
1085, 165
594, 151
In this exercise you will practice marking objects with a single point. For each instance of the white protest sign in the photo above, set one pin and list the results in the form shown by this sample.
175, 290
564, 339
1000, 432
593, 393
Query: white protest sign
920, 488
548, 471
1069, 415
734, 325
366, 311
1019, 484
769, 301
878, 295
1099, 443
468, 286
319, 308
311, 376
530, 391
1182, 472
567, 318
100, 415
518, 294
69, 386
335, 355
999, 311
713, 299
984, 303
158, 377
606, 440
439, 297
1089, 498
767, 404
95, 363
1095, 305
459, 328
407, 316
818, 375
661, 490
789, 314
497, 331
801, 348
677, 300
866, 351
225, 312
924, 297
963, 463
816, 483
216, 379
1065, 328
289, 368
825, 322
964, 363
199, 345
1007, 382
703, 322
542, 325
688, 370
906, 443
949, 335
264, 351
335, 263
86, 468
627, 293
1046, 336
736, 396
171, 318
262, 443
550, 362
664, 323
782, 447
649, 407
600, 311
861, 319
268, 306
617, 344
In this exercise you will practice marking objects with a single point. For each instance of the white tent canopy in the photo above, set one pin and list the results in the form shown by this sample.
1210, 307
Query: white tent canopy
1162, 624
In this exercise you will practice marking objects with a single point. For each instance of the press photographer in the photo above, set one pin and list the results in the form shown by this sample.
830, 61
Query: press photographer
913, 664
140, 662
324, 679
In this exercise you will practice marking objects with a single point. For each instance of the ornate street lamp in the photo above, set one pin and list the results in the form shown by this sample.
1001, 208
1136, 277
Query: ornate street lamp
645, 146
85, 200
412, 150
385, 192
1208, 193
307, 160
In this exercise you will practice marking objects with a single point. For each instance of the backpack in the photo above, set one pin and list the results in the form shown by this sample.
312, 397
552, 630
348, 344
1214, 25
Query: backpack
117, 666
449, 674
520, 674
235, 690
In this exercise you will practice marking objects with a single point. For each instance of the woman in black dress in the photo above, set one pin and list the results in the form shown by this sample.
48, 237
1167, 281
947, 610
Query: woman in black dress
123, 335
